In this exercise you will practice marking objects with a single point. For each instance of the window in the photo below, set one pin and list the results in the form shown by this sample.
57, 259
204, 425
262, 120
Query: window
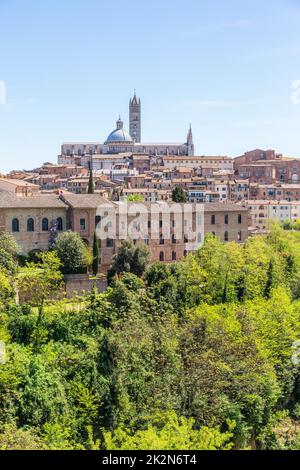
226, 219
226, 236
240, 218
161, 240
174, 256
185, 253
45, 225
15, 225
30, 225
174, 238
82, 224
213, 219
59, 224
97, 220
161, 256
109, 243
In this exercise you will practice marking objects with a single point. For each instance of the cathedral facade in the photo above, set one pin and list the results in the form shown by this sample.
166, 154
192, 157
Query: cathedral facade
120, 141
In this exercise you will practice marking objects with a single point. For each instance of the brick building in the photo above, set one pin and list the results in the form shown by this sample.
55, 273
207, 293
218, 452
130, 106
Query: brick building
30, 219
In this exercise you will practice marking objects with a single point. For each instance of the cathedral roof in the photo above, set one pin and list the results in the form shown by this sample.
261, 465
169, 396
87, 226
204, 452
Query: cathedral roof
119, 134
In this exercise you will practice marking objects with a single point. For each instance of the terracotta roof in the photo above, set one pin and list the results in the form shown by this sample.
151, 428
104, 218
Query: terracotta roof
17, 182
220, 206
84, 201
9, 200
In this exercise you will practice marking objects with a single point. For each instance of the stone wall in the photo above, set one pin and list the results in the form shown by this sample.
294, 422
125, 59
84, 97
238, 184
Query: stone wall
78, 284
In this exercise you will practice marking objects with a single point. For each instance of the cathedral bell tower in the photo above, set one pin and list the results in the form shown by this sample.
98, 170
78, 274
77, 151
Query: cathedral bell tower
190, 142
135, 118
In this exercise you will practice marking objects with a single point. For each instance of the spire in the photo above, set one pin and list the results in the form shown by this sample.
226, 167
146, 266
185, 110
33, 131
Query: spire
134, 100
190, 135
190, 142
120, 123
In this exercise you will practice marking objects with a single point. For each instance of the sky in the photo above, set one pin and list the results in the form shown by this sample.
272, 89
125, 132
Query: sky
69, 67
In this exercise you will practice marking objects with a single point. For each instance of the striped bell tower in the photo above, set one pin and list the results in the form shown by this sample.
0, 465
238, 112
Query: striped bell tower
135, 118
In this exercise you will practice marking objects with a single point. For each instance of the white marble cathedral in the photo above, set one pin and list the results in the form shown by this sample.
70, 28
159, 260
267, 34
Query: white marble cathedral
120, 141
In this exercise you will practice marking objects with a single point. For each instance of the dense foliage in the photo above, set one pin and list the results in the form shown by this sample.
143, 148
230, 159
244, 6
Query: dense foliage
179, 195
192, 355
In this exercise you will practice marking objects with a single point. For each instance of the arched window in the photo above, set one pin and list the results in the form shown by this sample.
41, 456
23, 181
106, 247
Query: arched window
213, 219
226, 236
226, 219
45, 225
174, 256
161, 256
59, 224
30, 225
15, 225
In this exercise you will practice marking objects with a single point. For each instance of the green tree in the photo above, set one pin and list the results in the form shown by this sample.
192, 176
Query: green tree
179, 195
130, 258
135, 198
174, 434
91, 186
38, 281
95, 255
13, 438
72, 252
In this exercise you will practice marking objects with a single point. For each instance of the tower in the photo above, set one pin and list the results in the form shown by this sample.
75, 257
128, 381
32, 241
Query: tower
190, 142
135, 118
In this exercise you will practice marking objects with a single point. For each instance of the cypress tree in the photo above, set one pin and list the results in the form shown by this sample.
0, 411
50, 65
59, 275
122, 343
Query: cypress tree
95, 255
91, 188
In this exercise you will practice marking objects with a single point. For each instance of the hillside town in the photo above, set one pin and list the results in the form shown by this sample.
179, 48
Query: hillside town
240, 195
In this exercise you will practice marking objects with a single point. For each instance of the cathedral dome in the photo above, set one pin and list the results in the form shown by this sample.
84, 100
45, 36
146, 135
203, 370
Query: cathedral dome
119, 134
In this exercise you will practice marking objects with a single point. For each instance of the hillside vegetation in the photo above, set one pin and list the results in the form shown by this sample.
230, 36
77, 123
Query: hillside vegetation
199, 354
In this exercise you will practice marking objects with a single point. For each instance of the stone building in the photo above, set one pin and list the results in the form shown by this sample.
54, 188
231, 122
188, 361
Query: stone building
120, 141
267, 167
29, 219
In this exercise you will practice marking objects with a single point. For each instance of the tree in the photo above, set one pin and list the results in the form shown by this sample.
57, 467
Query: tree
53, 234
38, 281
6, 288
135, 198
12, 438
179, 195
174, 434
91, 187
72, 252
130, 258
8, 244
95, 255
8, 253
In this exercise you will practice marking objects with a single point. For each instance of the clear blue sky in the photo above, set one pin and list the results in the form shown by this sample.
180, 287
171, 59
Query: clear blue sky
70, 67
